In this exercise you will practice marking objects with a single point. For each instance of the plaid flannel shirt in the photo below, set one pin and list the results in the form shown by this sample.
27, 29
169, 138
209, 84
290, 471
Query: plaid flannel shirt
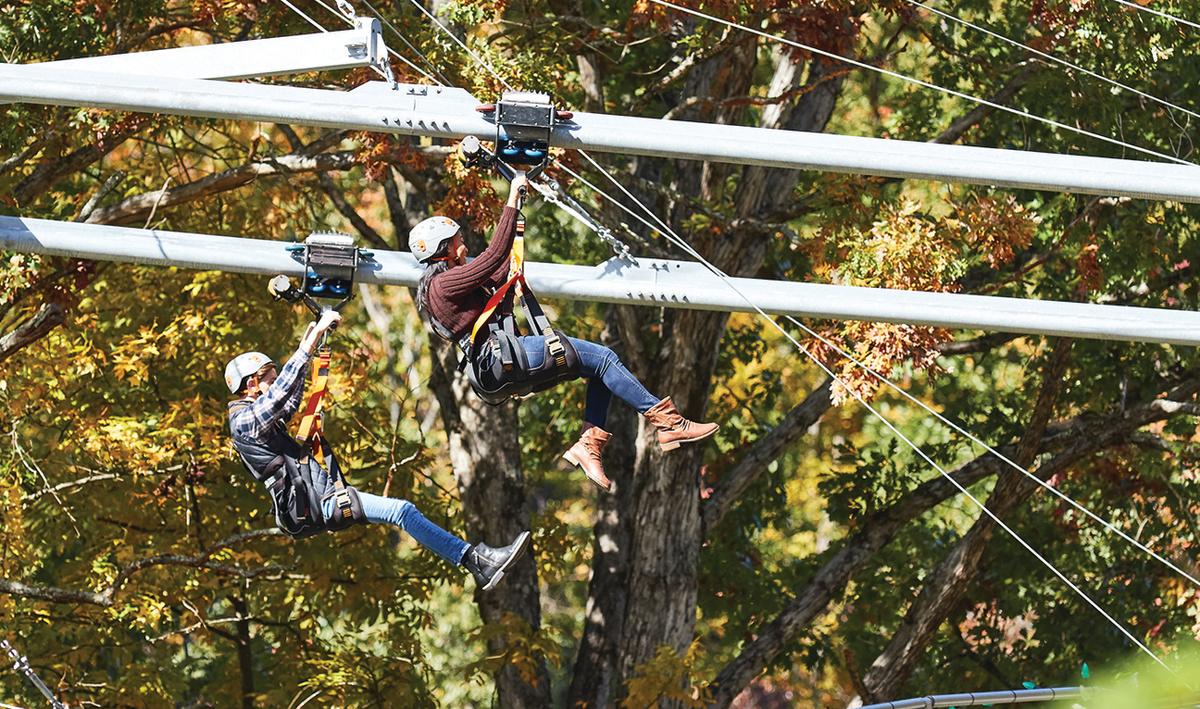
278, 405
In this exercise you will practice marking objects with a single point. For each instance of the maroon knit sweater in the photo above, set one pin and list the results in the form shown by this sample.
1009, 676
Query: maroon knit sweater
457, 295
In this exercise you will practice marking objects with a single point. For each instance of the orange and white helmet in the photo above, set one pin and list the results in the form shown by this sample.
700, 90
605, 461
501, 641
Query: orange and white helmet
427, 238
241, 367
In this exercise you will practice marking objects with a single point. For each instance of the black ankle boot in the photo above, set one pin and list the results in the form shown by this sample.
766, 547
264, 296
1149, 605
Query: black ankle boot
489, 564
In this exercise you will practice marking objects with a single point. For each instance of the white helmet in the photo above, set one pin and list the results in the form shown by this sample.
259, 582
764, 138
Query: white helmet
427, 238
241, 367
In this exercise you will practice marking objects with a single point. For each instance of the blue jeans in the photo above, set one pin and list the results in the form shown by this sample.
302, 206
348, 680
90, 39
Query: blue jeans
605, 374
399, 513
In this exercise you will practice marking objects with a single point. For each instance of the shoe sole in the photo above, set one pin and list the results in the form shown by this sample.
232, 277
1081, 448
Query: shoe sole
675, 444
575, 461
522, 544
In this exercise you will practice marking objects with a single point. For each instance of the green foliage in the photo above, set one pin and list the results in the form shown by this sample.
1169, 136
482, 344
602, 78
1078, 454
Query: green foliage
116, 449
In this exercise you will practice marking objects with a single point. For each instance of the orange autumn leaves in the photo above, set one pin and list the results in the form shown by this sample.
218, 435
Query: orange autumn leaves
905, 248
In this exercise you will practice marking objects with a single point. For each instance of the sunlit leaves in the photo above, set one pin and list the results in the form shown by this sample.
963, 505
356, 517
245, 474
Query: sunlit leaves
663, 678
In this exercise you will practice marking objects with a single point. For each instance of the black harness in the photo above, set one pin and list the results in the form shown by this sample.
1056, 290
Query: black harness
288, 470
497, 366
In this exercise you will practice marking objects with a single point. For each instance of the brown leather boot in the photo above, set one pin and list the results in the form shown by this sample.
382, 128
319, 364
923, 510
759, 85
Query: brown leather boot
586, 454
673, 429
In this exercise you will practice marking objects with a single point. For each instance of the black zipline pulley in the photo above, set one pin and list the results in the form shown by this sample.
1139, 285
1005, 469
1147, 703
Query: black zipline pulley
331, 263
524, 121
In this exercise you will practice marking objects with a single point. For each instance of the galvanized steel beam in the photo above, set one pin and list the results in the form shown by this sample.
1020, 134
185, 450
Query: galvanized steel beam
426, 111
974, 699
653, 282
276, 56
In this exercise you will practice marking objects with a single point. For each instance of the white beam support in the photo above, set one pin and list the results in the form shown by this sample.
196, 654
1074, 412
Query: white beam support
673, 284
448, 113
277, 56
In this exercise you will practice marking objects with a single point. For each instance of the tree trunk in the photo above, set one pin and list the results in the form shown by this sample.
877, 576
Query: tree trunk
245, 656
595, 675
485, 452
665, 509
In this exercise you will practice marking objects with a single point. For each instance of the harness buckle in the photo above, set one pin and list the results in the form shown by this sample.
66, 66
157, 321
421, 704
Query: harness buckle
344, 504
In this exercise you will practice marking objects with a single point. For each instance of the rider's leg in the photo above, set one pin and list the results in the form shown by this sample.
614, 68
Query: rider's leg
487, 564
606, 376
405, 515
599, 363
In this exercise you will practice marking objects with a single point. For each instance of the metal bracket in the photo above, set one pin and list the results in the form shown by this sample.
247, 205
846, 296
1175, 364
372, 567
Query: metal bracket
472, 154
524, 122
21, 665
331, 262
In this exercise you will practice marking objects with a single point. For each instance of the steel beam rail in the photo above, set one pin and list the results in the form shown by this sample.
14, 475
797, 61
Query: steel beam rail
277, 56
653, 282
423, 110
974, 699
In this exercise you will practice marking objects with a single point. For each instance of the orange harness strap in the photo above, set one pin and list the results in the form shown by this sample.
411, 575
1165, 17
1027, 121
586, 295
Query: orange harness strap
309, 433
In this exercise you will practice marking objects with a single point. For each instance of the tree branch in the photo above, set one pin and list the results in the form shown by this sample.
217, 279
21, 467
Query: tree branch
104, 598
48, 317
958, 128
753, 462
140, 205
978, 345
1070, 441
25, 154
339, 201
54, 168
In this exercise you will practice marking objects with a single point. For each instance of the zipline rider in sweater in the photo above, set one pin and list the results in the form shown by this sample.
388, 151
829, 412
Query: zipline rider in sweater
303, 492
454, 294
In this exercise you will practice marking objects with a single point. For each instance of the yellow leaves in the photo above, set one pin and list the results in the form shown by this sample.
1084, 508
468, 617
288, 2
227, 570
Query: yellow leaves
17, 273
557, 549
127, 441
14, 543
141, 612
520, 647
901, 249
103, 572
134, 355
906, 248
664, 677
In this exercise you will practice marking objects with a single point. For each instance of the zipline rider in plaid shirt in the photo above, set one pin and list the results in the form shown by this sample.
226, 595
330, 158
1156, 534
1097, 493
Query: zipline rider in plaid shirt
302, 490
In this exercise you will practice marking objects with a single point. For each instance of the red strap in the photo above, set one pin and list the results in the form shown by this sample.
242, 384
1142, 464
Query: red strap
492, 304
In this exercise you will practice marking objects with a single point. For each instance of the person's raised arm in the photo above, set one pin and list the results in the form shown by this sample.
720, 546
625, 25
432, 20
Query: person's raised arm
283, 397
491, 266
